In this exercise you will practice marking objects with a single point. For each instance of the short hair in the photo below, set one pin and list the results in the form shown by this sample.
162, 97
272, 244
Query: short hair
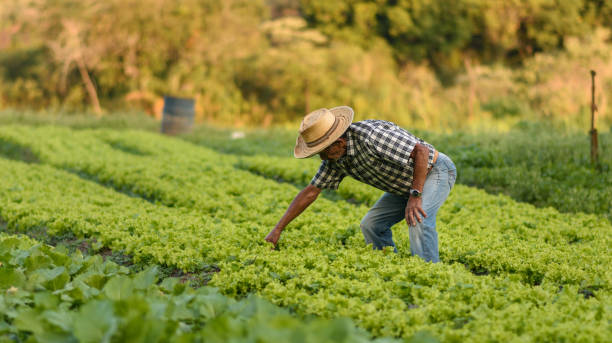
345, 134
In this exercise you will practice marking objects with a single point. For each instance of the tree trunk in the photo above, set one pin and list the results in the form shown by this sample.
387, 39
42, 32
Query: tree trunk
91, 89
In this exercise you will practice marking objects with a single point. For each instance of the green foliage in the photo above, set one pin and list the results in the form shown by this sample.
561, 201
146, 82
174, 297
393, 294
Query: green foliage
416, 62
536, 165
462, 217
99, 302
136, 50
273, 141
441, 32
80, 120
522, 273
532, 163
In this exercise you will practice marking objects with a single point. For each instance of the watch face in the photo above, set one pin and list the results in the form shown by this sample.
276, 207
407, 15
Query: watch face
414, 192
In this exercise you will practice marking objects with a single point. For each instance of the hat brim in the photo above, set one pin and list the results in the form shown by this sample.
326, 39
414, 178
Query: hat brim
344, 114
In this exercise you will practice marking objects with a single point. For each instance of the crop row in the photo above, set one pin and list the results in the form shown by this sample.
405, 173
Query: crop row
49, 295
490, 234
323, 267
536, 164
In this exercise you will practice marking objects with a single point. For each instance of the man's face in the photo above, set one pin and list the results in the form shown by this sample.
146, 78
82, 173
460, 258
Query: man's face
334, 151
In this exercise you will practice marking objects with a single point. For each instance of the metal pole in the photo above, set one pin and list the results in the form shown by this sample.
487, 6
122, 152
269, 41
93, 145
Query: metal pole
594, 143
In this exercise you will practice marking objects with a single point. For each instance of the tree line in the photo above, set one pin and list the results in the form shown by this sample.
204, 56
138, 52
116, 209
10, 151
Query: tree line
261, 61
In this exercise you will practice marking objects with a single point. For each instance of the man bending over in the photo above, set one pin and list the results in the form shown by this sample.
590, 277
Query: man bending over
416, 177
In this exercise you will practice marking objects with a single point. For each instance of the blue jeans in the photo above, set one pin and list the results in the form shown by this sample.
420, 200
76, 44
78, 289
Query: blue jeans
391, 209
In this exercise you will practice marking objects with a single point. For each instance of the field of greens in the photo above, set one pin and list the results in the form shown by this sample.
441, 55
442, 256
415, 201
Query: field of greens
123, 235
532, 163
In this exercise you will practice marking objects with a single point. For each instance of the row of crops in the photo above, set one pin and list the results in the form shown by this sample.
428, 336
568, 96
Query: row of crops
510, 271
504, 236
533, 163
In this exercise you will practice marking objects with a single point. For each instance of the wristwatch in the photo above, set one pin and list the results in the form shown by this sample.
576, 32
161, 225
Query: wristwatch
415, 193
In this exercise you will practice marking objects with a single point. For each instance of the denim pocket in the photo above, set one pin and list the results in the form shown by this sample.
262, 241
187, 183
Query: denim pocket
452, 176
452, 172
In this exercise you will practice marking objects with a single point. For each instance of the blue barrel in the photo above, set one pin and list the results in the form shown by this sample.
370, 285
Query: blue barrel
178, 115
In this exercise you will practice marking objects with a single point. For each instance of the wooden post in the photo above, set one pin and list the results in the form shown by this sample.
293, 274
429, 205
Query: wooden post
594, 143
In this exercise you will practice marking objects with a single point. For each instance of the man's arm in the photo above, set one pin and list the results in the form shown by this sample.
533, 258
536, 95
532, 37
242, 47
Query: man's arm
304, 198
420, 155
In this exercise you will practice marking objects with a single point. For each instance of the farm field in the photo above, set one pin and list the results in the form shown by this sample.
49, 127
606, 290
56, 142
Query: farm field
533, 163
510, 271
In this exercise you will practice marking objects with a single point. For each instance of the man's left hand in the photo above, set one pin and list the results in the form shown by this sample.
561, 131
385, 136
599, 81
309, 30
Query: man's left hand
413, 209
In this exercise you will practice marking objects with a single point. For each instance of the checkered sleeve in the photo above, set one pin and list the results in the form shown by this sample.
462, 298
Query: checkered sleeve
392, 143
327, 177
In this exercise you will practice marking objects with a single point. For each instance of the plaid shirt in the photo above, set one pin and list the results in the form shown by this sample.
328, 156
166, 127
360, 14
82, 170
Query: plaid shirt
377, 153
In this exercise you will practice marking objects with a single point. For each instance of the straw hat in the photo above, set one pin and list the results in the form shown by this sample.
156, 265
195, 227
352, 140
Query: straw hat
320, 129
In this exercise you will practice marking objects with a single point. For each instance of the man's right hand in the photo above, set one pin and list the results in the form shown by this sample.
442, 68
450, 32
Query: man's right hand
273, 236
299, 204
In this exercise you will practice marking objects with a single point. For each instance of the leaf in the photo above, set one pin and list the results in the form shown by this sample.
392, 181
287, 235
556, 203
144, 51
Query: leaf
147, 331
61, 319
83, 292
59, 278
11, 278
146, 278
95, 322
30, 320
45, 300
52, 279
119, 287
211, 305
180, 312
169, 284
93, 279
9, 244
19, 257
37, 261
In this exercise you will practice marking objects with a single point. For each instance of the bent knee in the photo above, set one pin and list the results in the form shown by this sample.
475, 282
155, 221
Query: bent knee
366, 224
371, 226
